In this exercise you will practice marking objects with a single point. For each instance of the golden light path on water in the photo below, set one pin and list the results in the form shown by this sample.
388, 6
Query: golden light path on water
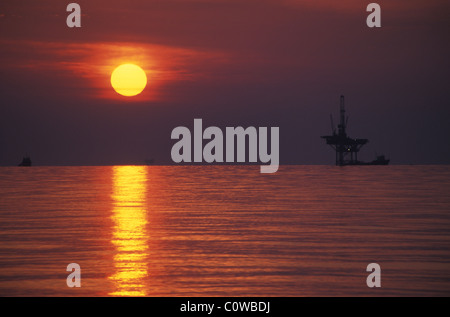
129, 235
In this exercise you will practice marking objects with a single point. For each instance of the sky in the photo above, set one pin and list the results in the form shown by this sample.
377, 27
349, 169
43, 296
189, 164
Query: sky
274, 63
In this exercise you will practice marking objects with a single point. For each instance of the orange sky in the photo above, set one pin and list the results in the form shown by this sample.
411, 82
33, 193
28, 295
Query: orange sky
232, 62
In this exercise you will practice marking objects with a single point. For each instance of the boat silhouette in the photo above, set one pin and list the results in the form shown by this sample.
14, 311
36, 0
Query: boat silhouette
26, 161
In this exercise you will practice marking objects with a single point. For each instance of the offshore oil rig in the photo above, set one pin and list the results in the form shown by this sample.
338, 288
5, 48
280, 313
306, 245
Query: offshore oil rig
345, 147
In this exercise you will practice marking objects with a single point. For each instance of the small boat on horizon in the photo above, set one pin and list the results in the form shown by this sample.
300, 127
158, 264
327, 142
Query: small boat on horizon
26, 161
380, 160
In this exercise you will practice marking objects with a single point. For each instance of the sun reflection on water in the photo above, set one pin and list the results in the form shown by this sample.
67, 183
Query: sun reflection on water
129, 235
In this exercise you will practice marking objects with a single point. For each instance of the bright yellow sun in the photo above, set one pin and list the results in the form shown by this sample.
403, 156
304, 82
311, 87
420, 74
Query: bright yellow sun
128, 80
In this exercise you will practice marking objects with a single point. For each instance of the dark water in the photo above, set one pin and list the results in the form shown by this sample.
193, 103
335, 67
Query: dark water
225, 230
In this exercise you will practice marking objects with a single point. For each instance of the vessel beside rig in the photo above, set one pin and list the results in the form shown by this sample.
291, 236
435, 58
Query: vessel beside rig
347, 148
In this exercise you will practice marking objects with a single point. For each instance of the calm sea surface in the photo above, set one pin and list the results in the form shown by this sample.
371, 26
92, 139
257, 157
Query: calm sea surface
224, 230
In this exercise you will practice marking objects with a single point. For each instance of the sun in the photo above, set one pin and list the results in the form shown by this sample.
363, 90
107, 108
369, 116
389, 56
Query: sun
128, 80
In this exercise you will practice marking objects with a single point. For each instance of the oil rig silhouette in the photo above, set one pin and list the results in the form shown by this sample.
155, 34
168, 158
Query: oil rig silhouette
345, 147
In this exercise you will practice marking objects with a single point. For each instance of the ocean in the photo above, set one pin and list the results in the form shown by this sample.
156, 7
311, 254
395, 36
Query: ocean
225, 230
